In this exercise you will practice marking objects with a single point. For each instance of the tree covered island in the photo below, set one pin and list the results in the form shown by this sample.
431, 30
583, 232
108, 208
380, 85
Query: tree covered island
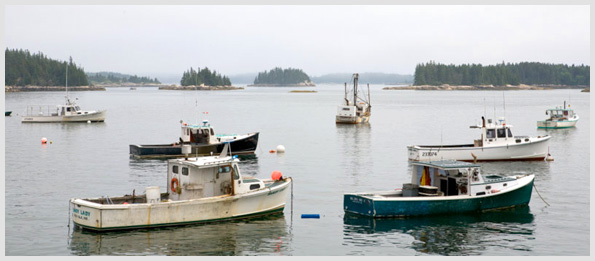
524, 75
202, 79
26, 71
282, 77
118, 79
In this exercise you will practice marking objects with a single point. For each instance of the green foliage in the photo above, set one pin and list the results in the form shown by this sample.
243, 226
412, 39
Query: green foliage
204, 76
23, 68
531, 73
281, 76
117, 78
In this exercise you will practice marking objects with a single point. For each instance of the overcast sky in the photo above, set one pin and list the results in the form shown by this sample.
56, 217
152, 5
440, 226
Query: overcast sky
159, 40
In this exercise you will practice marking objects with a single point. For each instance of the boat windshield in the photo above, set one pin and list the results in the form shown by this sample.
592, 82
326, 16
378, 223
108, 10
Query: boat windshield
501, 133
490, 133
509, 132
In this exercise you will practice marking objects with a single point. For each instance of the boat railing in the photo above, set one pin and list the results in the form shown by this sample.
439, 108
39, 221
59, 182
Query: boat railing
41, 110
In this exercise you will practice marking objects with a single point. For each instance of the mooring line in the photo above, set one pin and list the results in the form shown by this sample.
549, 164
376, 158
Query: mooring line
539, 194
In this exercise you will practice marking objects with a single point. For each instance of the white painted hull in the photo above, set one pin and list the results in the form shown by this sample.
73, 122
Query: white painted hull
534, 150
556, 124
352, 120
93, 117
102, 217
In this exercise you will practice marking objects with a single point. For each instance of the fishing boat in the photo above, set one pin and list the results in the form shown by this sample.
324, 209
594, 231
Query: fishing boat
495, 144
357, 110
559, 118
69, 112
443, 187
199, 189
203, 141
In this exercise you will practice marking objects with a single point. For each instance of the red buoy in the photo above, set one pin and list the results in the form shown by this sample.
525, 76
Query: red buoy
276, 175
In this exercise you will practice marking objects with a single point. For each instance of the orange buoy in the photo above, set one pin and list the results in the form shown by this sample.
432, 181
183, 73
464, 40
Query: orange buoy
271, 151
276, 175
44, 140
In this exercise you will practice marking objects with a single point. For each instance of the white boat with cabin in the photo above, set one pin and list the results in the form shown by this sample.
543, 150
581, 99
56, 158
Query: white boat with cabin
69, 112
495, 144
200, 189
357, 110
560, 118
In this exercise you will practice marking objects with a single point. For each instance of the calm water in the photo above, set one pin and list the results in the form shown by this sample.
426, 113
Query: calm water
325, 160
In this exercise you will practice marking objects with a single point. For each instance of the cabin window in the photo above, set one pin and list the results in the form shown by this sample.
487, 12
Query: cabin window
346, 109
212, 132
236, 173
501, 133
254, 186
509, 133
68, 109
490, 134
174, 169
184, 171
223, 169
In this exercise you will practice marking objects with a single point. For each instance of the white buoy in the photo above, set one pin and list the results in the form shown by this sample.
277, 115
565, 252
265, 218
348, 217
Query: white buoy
89, 121
280, 149
549, 158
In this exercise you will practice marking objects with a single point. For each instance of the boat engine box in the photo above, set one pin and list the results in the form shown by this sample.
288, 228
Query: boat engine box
410, 190
428, 191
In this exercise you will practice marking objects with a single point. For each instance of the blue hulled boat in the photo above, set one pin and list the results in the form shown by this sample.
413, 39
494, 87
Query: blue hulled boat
443, 187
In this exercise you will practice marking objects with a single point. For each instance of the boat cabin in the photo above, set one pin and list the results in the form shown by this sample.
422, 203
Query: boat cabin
442, 178
559, 114
203, 177
203, 134
495, 133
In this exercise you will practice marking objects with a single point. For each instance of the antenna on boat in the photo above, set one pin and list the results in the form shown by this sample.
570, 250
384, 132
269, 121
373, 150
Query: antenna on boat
504, 104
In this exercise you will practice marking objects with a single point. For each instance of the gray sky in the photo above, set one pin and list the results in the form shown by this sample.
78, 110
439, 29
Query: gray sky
160, 40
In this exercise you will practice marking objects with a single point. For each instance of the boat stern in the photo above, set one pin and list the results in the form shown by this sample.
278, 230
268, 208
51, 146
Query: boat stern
358, 204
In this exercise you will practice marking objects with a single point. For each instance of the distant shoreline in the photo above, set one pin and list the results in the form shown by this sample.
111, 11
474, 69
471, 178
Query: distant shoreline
446, 87
200, 88
283, 85
31, 88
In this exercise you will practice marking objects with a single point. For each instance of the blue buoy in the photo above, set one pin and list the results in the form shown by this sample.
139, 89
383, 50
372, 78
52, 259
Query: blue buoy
310, 216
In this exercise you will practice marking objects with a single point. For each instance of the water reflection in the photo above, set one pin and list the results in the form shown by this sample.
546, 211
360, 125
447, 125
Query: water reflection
354, 143
470, 234
257, 236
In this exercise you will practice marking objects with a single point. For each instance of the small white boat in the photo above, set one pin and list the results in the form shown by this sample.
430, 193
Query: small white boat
69, 112
560, 117
443, 187
496, 143
357, 110
201, 189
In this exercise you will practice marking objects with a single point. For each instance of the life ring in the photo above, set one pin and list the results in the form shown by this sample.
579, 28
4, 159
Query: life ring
175, 184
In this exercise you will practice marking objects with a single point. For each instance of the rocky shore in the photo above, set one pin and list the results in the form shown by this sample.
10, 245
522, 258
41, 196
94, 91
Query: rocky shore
30, 88
199, 88
446, 87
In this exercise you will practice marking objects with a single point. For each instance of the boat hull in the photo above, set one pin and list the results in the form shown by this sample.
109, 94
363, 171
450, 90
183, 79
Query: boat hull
352, 120
556, 124
98, 116
367, 205
246, 145
106, 217
534, 150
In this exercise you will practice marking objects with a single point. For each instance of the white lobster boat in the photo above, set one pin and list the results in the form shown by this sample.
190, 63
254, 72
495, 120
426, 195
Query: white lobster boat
496, 143
69, 112
560, 118
201, 189
356, 111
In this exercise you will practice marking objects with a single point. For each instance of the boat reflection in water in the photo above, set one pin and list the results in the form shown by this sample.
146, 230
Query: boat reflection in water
463, 234
266, 235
